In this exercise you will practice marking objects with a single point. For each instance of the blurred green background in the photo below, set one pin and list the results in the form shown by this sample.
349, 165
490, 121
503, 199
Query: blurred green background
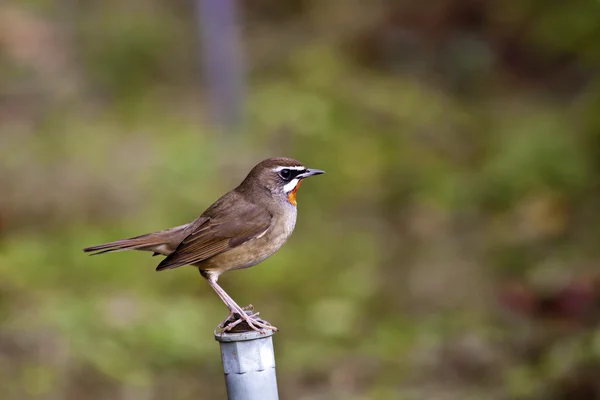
451, 251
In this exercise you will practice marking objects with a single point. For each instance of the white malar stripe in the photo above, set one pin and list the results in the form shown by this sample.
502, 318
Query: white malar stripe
295, 168
290, 185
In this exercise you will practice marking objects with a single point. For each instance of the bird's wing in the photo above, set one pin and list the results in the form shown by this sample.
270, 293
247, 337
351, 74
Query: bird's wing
228, 225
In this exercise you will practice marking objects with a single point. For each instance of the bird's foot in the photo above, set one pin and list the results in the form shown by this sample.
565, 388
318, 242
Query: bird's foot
246, 321
232, 316
226, 321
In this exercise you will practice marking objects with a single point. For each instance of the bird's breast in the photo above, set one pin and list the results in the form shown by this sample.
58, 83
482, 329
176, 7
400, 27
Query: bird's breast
287, 221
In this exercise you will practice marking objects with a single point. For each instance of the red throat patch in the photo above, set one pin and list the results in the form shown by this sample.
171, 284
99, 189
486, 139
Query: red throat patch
292, 193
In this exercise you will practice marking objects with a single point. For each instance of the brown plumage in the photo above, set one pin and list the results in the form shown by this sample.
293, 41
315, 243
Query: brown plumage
223, 227
244, 227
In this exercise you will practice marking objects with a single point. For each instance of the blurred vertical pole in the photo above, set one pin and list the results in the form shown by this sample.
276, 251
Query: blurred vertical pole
222, 61
249, 365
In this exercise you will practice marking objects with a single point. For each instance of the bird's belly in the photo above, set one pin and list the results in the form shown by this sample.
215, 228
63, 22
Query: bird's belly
253, 251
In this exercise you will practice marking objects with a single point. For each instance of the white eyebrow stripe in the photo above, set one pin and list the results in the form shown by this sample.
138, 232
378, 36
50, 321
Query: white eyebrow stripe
291, 185
295, 168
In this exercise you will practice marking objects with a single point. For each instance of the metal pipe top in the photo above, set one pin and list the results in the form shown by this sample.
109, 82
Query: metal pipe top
228, 337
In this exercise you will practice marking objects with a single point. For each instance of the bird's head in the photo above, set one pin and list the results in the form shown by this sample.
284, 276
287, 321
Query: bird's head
280, 176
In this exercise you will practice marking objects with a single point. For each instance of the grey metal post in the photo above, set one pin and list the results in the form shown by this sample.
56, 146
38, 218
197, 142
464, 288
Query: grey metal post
249, 365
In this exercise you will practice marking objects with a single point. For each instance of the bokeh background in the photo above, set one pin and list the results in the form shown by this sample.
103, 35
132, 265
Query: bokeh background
451, 251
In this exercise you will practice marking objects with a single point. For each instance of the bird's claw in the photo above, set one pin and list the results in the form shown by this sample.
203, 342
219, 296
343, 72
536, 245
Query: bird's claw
252, 320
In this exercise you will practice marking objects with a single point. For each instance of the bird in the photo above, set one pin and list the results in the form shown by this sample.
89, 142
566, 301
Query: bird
241, 229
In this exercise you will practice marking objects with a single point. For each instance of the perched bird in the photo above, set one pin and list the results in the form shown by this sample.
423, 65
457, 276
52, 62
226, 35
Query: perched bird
241, 229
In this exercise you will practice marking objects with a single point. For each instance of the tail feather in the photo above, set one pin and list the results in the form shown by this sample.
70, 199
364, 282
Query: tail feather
161, 243
141, 242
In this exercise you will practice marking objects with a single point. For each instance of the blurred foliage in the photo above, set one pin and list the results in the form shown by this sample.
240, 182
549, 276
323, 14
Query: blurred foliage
450, 252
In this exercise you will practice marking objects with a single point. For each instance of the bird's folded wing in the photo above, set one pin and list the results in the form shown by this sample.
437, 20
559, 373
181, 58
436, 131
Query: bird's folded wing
217, 235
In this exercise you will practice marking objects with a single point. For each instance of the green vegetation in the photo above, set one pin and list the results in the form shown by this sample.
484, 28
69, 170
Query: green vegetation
454, 180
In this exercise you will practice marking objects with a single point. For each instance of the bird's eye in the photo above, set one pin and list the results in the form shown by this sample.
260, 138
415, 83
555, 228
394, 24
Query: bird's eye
285, 174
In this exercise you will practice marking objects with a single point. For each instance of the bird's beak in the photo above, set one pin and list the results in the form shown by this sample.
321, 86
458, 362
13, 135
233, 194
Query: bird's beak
310, 172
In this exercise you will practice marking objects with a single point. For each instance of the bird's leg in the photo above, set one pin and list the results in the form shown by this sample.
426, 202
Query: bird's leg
228, 300
231, 305
253, 322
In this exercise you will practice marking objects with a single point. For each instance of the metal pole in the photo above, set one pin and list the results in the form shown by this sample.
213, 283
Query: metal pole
249, 365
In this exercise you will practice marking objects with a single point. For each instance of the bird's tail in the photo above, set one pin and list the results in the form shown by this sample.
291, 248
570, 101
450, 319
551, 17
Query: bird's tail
161, 242
148, 241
